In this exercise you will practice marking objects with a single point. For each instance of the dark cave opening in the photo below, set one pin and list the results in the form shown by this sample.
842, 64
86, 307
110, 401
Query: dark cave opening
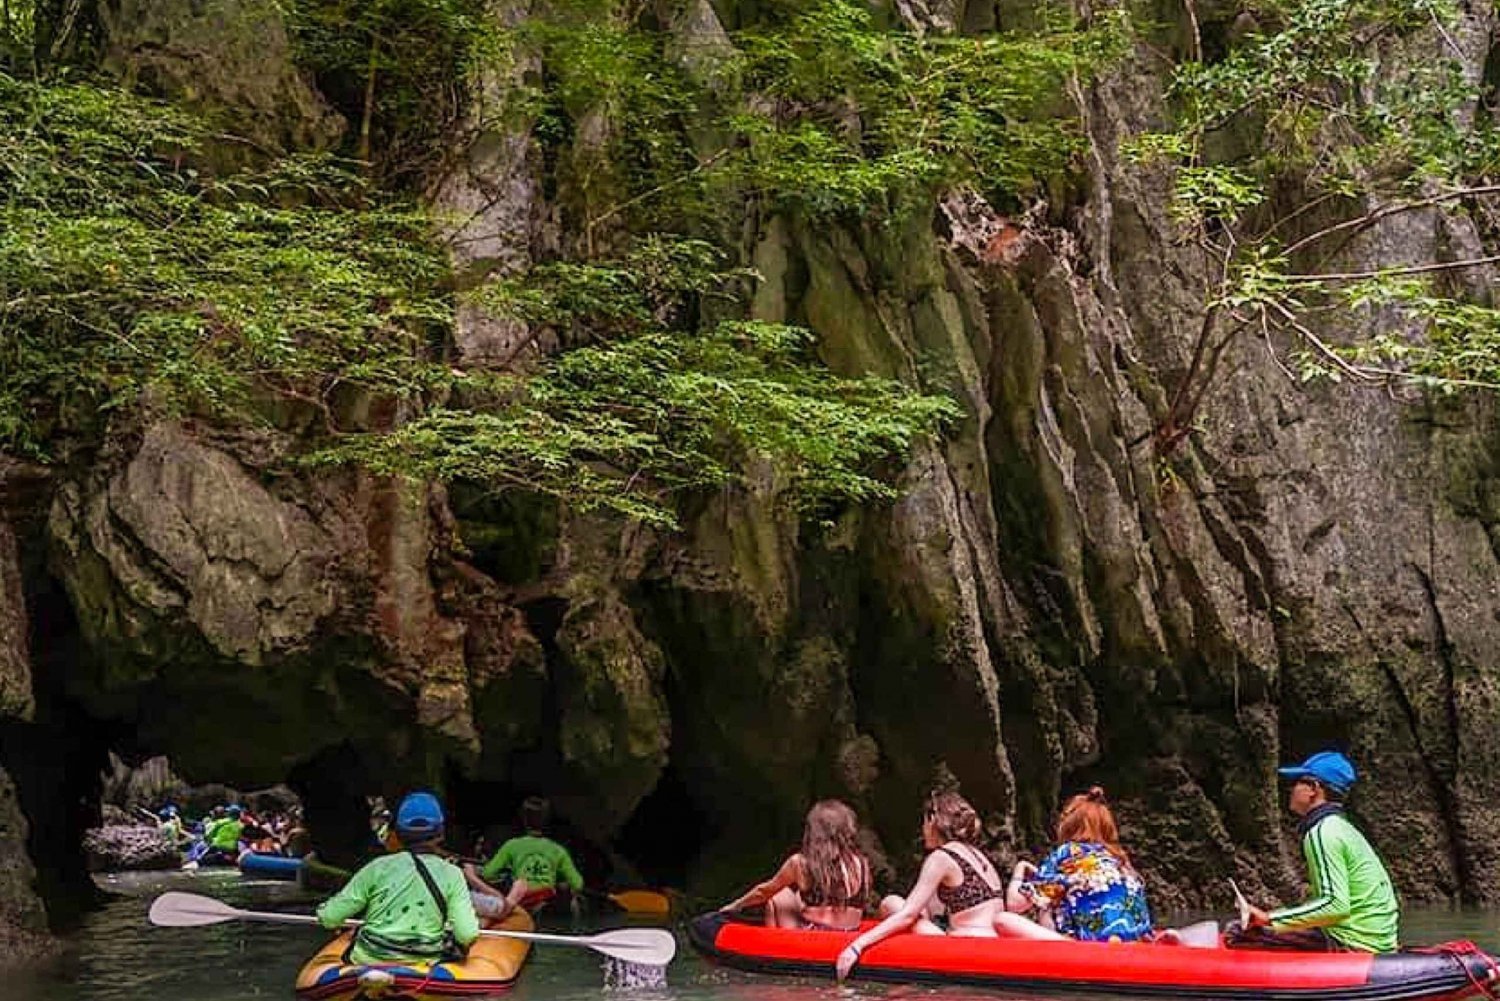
657, 846
667, 833
58, 762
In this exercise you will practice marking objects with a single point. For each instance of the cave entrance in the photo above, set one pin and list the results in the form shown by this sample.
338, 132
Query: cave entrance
658, 846
666, 835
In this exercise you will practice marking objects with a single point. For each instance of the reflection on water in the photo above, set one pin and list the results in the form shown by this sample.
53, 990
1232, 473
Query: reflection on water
119, 956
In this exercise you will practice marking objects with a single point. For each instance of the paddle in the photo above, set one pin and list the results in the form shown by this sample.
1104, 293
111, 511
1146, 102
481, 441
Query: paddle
1242, 904
640, 946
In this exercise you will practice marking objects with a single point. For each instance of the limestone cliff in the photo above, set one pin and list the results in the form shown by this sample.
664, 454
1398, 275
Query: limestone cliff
1050, 603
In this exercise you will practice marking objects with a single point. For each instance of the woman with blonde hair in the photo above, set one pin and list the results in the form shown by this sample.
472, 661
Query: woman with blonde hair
957, 874
826, 885
1087, 882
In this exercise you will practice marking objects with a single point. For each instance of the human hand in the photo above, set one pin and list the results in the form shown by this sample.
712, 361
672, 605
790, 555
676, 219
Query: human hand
846, 961
1023, 870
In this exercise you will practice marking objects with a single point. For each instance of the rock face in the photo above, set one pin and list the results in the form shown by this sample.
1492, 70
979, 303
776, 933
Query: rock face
289, 601
1048, 605
123, 848
23, 918
220, 54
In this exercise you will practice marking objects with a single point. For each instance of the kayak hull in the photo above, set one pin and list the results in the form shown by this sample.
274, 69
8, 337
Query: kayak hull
492, 966
1136, 969
316, 875
263, 866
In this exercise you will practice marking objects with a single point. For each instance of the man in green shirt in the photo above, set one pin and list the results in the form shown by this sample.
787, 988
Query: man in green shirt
536, 865
225, 834
415, 904
1352, 906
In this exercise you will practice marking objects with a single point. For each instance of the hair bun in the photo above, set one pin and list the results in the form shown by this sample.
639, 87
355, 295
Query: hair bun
1096, 794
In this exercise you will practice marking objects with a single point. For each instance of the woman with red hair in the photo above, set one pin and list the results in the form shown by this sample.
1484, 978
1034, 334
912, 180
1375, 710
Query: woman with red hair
1086, 883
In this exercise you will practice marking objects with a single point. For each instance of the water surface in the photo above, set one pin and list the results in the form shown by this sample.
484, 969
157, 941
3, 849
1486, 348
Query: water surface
117, 955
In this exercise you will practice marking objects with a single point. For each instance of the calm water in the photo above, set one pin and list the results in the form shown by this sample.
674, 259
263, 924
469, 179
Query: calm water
118, 956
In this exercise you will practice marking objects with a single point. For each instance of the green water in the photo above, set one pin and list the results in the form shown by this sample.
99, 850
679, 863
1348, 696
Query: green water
118, 956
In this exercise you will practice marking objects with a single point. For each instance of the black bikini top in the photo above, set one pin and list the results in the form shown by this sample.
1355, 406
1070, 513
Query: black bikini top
972, 892
811, 897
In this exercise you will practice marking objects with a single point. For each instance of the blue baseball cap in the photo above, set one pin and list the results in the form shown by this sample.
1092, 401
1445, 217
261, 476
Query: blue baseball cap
420, 817
1330, 768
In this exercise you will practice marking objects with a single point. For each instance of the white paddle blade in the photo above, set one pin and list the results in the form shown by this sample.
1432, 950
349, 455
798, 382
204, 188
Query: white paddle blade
1242, 904
643, 946
1199, 935
189, 910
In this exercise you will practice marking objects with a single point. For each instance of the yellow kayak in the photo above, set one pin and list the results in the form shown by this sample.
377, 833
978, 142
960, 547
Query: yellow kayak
490, 968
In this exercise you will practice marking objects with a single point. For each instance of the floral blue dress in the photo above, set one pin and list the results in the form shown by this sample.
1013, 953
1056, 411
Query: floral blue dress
1093, 894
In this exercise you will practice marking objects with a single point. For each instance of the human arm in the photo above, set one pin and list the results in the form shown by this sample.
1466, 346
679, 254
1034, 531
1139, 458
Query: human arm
476, 881
1328, 873
913, 907
762, 892
502, 860
348, 902
1045, 885
1016, 897
568, 871
461, 916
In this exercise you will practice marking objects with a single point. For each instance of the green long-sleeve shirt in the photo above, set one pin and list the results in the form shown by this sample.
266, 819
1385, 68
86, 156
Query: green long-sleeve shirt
535, 859
1352, 899
402, 920
224, 834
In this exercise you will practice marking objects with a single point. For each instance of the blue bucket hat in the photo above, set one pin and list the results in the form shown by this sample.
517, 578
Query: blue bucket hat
1330, 768
420, 817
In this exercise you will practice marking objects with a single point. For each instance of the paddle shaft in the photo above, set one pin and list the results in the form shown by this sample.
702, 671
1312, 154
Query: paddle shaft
272, 917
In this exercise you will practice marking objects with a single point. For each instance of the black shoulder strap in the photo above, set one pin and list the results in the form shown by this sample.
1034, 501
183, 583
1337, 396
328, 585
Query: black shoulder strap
432, 887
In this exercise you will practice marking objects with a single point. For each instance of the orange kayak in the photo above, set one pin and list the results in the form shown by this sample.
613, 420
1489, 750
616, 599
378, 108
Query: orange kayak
492, 966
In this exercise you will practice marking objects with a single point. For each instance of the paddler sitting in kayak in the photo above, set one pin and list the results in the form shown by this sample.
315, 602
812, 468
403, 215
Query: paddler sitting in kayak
1352, 906
826, 885
1087, 883
957, 874
222, 837
536, 865
415, 904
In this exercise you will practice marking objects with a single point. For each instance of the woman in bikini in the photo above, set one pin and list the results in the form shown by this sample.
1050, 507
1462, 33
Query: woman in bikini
824, 886
957, 874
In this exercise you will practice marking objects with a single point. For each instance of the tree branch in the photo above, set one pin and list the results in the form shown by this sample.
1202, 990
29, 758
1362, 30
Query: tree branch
1415, 269
1371, 218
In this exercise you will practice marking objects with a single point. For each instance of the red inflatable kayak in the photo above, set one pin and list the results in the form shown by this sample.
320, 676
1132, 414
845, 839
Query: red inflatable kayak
1145, 970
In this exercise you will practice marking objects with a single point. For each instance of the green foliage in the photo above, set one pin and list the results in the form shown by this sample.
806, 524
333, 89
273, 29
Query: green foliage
622, 427
131, 278
817, 107
1460, 343
127, 273
592, 301
1325, 105
17, 34
393, 67
850, 114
